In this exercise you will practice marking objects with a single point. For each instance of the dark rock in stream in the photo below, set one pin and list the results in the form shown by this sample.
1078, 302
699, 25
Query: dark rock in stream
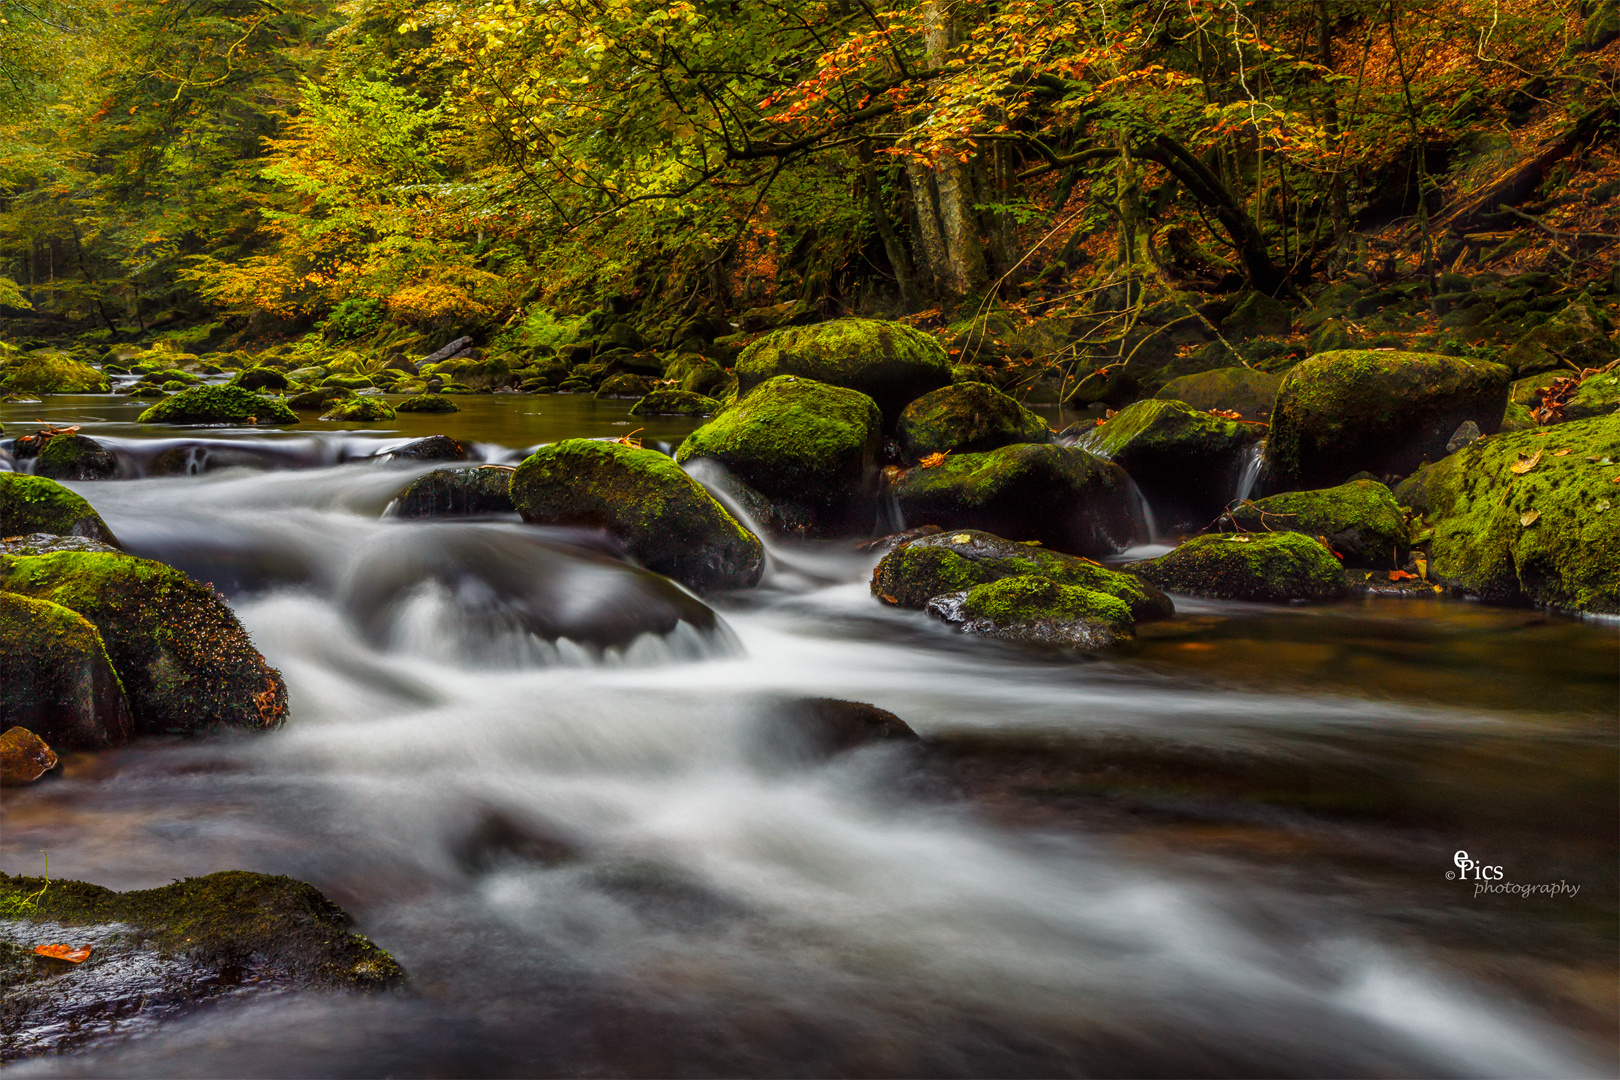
1270, 567
156, 954
432, 448
56, 678
819, 727
74, 457
457, 493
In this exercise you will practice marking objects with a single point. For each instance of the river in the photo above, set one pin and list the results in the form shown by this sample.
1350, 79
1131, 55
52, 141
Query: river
1224, 851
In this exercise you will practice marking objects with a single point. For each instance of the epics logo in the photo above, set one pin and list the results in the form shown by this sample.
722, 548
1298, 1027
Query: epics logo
1465, 864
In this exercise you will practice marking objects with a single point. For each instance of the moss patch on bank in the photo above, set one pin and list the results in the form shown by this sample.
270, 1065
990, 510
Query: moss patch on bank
35, 504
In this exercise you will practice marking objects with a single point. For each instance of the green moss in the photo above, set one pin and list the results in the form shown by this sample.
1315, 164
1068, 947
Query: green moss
360, 410
318, 398
889, 362
75, 457
428, 403
1273, 567
1185, 461
35, 504
921, 569
664, 518
47, 371
348, 382
967, 417
1030, 599
260, 378
675, 403
1235, 389
218, 405
170, 375
59, 681
1360, 520
233, 918
1567, 555
185, 662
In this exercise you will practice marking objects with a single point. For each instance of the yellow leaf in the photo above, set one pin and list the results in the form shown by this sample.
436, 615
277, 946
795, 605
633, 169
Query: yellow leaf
1529, 517
1525, 464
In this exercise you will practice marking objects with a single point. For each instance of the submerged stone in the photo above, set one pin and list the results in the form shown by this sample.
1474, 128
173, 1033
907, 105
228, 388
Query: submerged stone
485, 489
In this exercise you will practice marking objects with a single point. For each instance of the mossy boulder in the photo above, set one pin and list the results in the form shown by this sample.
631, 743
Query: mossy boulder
967, 417
186, 664
624, 385
1063, 497
56, 678
1038, 611
1271, 567
427, 403
663, 517
219, 405
1257, 315
485, 489
47, 371
75, 457
1242, 390
1185, 461
805, 446
928, 566
675, 403
260, 378
359, 410
1578, 335
1359, 520
1548, 535
37, 504
1341, 413
889, 362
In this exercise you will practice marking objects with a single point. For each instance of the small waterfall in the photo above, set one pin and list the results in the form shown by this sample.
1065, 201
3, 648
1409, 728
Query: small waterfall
1250, 475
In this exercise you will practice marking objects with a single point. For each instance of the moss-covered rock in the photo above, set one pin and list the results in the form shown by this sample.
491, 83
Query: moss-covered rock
75, 457
349, 382
49, 544
427, 403
889, 362
675, 403
318, 398
931, 565
186, 664
1550, 535
1061, 496
1038, 611
1578, 335
1242, 390
260, 378
967, 417
806, 446
359, 410
47, 371
663, 517
429, 449
1360, 520
485, 489
624, 385
56, 678
218, 405
1341, 413
1257, 315
1185, 461
1273, 567
36, 504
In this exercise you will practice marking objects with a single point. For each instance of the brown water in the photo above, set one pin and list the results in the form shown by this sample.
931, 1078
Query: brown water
1221, 852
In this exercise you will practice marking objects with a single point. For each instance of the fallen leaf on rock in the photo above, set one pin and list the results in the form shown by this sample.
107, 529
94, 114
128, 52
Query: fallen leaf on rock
1601, 505
1226, 414
72, 954
1423, 568
1400, 575
1529, 517
1525, 464
1561, 453
932, 461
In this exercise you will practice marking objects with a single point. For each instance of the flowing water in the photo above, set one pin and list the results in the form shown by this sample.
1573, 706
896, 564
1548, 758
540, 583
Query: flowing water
551, 785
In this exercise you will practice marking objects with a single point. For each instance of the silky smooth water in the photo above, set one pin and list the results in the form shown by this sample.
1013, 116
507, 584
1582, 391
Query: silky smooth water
1222, 852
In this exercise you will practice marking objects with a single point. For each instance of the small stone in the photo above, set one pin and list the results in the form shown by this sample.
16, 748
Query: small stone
1466, 433
24, 757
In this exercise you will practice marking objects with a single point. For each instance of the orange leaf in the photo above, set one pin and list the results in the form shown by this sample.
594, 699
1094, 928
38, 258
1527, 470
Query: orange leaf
1400, 575
72, 954
932, 461
1561, 453
1226, 414
1524, 465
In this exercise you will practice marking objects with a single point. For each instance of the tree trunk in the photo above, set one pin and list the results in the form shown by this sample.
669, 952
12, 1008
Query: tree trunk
892, 246
963, 265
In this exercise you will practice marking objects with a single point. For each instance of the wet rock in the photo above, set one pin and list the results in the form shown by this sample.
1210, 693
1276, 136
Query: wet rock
1577, 335
457, 493
885, 544
432, 448
806, 446
445, 352
317, 399
966, 417
1549, 534
75, 457
502, 835
218, 405
1186, 462
624, 386
47, 371
1257, 315
663, 517
37, 504
56, 678
360, 410
1242, 390
185, 662
24, 756
1061, 496
675, 403
924, 567
1272, 567
888, 362
1037, 611
1384, 412
260, 378
427, 403
1360, 520
1466, 433
819, 727
49, 543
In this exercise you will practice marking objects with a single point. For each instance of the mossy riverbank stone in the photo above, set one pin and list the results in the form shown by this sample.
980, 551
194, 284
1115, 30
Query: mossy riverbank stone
218, 405
56, 678
1242, 390
664, 518
185, 662
1360, 520
1185, 461
889, 362
427, 403
485, 489
803, 445
1271, 567
1341, 413
48, 371
968, 417
675, 403
929, 566
1549, 535
360, 410
37, 504
1038, 611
